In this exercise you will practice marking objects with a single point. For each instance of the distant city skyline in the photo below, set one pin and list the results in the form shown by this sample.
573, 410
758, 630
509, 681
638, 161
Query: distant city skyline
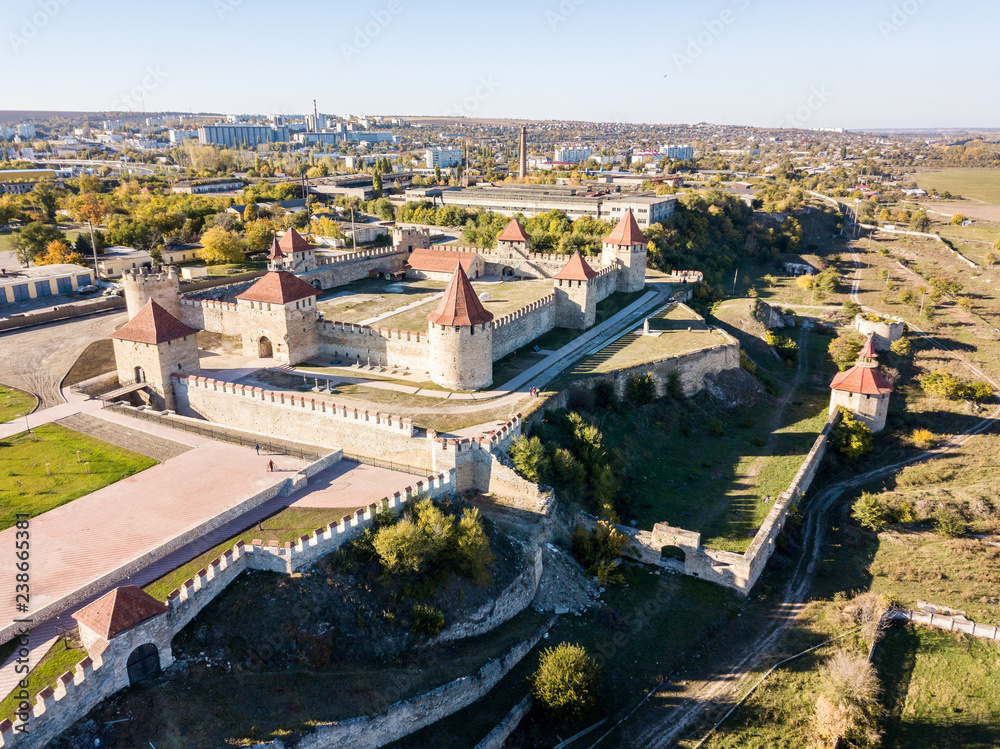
852, 64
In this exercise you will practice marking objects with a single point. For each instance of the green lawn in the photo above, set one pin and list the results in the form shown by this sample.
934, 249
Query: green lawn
14, 403
24, 485
371, 297
978, 184
289, 524
60, 659
97, 359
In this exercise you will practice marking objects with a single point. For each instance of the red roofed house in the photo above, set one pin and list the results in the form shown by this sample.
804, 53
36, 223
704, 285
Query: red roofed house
439, 265
576, 294
626, 247
278, 318
863, 390
151, 347
460, 334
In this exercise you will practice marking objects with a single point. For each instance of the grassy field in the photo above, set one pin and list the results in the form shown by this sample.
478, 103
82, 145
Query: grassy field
505, 298
289, 524
24, 485
370, 297
60, 659
977, 184
15, 403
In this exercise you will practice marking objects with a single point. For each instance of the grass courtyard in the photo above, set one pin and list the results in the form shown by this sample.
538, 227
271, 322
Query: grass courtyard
26, 486
370, 297
14, 403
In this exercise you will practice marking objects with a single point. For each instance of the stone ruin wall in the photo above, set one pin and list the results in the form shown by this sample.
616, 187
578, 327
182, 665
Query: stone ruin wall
353, 266
390, 348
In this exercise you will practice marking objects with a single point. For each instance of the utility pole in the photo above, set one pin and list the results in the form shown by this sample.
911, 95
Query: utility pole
354, 233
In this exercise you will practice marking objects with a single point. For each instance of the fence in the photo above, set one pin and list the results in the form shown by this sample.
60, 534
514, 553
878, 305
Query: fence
387, 464
222, 434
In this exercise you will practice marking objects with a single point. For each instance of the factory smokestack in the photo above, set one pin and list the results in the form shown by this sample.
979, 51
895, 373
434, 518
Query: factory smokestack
522, 169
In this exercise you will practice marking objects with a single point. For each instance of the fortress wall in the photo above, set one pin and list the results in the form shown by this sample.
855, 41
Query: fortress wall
406, 716
353, 266
395, 348
606, 282
520, 328
216, 317
290, 416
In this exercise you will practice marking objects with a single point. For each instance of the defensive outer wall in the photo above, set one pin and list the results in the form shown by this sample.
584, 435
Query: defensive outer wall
99, 676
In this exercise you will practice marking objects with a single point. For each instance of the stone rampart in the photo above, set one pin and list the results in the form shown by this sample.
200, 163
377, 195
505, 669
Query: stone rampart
213, 316
884, 331
605, 283
379, 346
521, 327
353, 266
404, 717
96, 679
289, 416
950, 623
497, 738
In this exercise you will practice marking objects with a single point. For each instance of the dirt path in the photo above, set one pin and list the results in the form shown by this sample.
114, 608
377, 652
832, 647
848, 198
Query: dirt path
664, 727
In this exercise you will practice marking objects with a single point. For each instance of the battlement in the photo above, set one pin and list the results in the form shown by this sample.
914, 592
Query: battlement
372, 419
209, 304
334, 327
489, 441
166, 273
545, 301
70, 690
351, 257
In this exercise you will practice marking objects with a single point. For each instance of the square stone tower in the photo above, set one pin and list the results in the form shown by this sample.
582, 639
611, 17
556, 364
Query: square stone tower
863, 390
576, 297
278, 319
460, 334
151, 347
626, 247
514, 241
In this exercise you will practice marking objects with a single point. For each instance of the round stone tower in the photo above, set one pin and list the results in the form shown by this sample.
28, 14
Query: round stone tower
460, 336
163, 286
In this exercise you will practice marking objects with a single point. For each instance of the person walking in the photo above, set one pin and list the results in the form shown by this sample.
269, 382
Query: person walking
270, 466
256, 447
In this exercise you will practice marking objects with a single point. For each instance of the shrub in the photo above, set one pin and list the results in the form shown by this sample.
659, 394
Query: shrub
747, 363
905, 514
716, 428
567, 471
922, 438
805, 282
674, 389
948, 523
605, 396
529, 458
902, 347
942, 384
849, 706
471, 550
564, 683
844, 350
596, 550
978, 391
851, 309
428, 621
640, 391
851, 437
869, 511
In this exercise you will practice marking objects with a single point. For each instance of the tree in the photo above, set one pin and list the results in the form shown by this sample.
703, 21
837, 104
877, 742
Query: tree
942, 384
437, 173
377, 184
88, 207
529, 458
45, 198
221, 246
844, 350
250, 212
851, 437
869, 511
258, 235
921, 221
564, 683
958, 219
33, 240
901, 347
640, 391
58, 252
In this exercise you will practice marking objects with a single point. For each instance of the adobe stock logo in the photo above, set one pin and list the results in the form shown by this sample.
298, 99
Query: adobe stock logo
900, 16
364, 35
817, 99
31, 25
470, 104
698, 44
135, 98
560, 14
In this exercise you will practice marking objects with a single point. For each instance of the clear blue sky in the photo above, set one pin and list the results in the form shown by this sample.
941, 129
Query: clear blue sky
854, 63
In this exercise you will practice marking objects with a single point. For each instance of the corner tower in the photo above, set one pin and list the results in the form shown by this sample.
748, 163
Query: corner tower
151, 347
460, 334
626, 247
514, 240
863, 390
576, 297
278, 319
163, 286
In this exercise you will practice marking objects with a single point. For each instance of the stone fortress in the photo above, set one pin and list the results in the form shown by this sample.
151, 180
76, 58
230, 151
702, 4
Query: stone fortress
277, 316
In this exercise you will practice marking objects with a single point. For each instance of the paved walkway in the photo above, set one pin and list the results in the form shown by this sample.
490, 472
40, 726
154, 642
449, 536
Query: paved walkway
350, 484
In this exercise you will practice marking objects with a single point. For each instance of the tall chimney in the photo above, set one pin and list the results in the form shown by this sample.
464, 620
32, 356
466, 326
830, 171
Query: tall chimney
522, 170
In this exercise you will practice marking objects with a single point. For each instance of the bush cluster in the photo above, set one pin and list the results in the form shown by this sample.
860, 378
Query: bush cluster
946, 385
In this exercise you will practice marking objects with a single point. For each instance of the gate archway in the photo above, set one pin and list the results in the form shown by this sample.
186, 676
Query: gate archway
143, 663
264, 348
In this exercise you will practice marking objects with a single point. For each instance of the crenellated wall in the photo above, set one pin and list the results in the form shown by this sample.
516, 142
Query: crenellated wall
289, 416
361, 343
521, 327
210, 315
352, 266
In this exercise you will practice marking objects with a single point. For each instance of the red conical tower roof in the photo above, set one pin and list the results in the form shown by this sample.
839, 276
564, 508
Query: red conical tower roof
460, 305
868, 351
514, 233
294, 242
152, 324
627, 233
276, 253
576, 269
